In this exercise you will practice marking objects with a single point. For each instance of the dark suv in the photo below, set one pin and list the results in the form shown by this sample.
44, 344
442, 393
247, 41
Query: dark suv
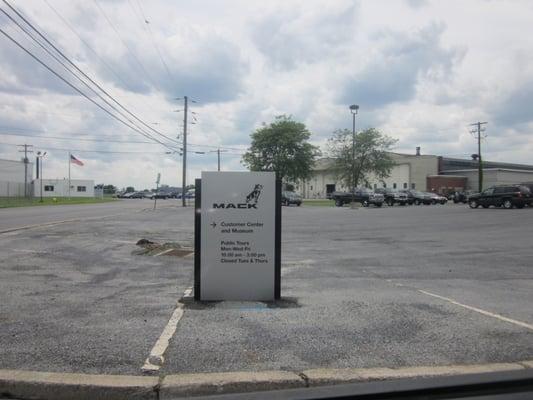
507, 196
393, 196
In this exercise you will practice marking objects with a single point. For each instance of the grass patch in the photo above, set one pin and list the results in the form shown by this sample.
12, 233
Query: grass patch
319, 202
6, 202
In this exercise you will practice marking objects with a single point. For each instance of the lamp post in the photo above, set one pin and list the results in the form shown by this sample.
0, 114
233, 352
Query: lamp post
354, 108
40, 158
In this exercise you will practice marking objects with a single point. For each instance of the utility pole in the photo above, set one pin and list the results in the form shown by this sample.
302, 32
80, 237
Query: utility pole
218, 151
184, 168
27, 149
478, 132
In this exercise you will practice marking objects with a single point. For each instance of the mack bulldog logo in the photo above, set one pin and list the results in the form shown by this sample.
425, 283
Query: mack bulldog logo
253, 197
251, 200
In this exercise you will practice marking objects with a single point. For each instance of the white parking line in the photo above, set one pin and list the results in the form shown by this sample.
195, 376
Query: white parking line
156, 358
487, 313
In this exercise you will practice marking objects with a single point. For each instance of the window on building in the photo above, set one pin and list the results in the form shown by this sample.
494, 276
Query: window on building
311, 187
81, 189
384, 185
375, 186
394, 185
413, 186
405, 185
48, 188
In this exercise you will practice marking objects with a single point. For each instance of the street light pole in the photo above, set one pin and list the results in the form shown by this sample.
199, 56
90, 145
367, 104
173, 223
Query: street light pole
40, 157
184, 167
354, 108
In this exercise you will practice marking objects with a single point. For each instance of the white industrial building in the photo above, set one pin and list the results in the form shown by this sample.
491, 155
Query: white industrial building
59, 188
410, 172
421, 172
12, 180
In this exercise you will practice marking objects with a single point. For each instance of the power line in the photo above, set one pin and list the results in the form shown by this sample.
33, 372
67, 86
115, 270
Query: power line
101, 139
89, 151
75, 88
180, 151
86, 44
78, 69
77, 139
124, 43
146, 26
62, 63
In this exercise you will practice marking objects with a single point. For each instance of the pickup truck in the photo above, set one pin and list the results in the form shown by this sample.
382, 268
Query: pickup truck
362, 195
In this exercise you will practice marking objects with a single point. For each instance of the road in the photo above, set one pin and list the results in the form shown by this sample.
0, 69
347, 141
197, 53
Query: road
16, 217
389, 287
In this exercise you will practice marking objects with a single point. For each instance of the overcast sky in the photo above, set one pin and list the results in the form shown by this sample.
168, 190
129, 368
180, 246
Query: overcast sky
421, 71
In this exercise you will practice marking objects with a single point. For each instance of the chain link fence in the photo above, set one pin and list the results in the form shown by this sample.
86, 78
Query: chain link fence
16, 189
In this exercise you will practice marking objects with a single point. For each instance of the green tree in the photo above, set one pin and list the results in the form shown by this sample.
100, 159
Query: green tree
130, 189
372, 156
282, 147
109, 189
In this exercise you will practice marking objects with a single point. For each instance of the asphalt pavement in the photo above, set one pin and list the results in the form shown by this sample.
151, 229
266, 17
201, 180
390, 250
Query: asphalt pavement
16, 217
391, 287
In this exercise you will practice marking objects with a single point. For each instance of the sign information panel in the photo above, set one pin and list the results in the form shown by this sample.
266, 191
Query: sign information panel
237, 257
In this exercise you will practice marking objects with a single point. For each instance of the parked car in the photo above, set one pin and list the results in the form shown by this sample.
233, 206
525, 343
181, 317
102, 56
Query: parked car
288, 198
174, 195
420, 197
462, 197
362, 195
127, 195
529, 185
393, 196
506, 196
159, 195
437, 198
410, 197
137, 195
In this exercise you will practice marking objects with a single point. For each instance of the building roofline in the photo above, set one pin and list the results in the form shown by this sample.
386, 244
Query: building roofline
526, 166
488, 169
16, 161
446, 176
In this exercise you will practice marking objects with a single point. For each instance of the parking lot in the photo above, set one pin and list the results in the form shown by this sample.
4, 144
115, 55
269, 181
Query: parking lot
392, 286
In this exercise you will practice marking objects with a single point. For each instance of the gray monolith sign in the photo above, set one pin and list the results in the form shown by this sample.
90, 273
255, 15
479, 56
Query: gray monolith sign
237, 238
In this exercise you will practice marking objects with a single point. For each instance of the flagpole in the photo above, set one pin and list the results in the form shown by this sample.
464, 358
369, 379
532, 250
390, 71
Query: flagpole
69, 175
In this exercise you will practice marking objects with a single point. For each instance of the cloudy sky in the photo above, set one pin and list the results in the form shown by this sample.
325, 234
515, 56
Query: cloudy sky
421, 71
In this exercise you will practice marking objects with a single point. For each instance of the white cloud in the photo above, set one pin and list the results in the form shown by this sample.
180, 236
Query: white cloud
421, 71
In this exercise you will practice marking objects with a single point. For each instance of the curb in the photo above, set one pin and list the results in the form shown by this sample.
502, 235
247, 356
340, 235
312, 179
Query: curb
66, 386
318, 377
185, 385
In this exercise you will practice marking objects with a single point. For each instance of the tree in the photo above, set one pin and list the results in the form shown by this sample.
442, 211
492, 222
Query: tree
109, 189
130, 189
372, 156
282, 147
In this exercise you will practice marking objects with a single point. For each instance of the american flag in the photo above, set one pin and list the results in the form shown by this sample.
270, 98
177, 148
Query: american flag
74, 160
